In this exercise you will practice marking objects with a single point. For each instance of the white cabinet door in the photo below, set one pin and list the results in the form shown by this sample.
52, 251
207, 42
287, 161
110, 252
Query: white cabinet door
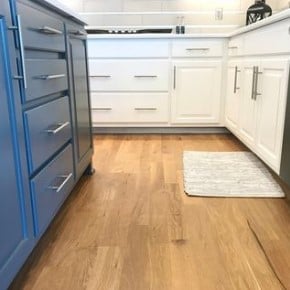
233, 95
272, 84
196, 92
248, 105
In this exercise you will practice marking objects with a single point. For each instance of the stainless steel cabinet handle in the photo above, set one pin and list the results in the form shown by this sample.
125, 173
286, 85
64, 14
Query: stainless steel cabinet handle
102, 109
49, 30
61, 186
253, 83
78, 32
197, 48
145, 76
21, 48
174, 78
233, 47
50, 77
236, 79
58, 129
101, 76
145, 109
256, 83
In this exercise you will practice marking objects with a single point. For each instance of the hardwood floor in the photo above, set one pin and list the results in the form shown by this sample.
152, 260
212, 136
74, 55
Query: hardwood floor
131, 227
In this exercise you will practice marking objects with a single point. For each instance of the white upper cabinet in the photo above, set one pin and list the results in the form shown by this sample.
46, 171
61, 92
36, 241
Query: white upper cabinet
196, 92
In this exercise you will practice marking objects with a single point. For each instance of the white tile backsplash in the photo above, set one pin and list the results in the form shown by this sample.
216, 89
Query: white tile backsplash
234, 11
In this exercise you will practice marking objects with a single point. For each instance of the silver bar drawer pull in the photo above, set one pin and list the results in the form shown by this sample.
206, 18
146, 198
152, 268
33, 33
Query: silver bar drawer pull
256, 83
102, 109
233, 47
253, 83
236, 88
78, 32
49, 30
145, 109
101, 76
21, 48
59, 128
50, 77
145, 76
197, 48
62, 185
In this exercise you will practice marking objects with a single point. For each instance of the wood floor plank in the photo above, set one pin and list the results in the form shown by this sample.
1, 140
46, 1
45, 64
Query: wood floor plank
131, 226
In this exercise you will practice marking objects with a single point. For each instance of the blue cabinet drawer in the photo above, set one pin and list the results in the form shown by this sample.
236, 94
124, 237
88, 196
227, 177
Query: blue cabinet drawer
48, 128
45, 77
39, 30
50, 187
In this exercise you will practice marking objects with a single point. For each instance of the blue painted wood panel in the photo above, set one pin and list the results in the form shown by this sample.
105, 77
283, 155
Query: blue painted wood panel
50, 188
40, 124
79, 91
16, 236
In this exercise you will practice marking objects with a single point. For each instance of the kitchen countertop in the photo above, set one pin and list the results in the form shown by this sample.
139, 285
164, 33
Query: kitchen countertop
62, 9
274, 18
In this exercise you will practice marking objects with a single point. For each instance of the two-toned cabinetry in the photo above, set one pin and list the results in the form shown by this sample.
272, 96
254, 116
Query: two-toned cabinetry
257, 90
45, 130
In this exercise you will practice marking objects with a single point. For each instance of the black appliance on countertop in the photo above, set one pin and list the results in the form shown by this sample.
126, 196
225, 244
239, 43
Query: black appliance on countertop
258, 11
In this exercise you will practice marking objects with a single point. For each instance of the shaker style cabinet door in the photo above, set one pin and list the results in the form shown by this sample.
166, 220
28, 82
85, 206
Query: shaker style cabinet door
196, 92
248, 104
272, 87
15, 212
81, 99
233, 95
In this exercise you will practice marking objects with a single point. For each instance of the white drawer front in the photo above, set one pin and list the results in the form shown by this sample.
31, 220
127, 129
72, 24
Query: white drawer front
129, 48
236, 46
271, 39
129, 108
129, 75
197, 48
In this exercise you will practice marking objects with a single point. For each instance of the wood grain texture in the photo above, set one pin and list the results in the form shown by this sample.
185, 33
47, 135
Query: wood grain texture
131, 227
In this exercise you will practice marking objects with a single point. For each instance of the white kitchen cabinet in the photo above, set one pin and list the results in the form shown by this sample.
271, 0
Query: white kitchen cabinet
196, 92
233, 95
257, 115
272, 84
248, 105
124, 108
137, 75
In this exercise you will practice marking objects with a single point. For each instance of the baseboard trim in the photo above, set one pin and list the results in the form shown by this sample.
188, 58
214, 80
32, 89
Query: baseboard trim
169, 130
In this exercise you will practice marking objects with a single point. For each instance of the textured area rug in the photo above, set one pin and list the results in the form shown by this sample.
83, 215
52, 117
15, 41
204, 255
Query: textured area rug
228, 174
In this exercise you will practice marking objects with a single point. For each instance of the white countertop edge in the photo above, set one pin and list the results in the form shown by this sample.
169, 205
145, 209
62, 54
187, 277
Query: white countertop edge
157, 36
274, 18
63, 8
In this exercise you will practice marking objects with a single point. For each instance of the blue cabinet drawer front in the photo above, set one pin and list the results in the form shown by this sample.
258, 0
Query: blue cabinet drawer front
50, 187
39, 30
48, 128
45, 77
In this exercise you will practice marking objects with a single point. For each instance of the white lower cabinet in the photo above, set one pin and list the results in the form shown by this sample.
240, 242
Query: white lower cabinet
248, 106
272, 85
196, 92
256, 113
233, 95
121, 108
